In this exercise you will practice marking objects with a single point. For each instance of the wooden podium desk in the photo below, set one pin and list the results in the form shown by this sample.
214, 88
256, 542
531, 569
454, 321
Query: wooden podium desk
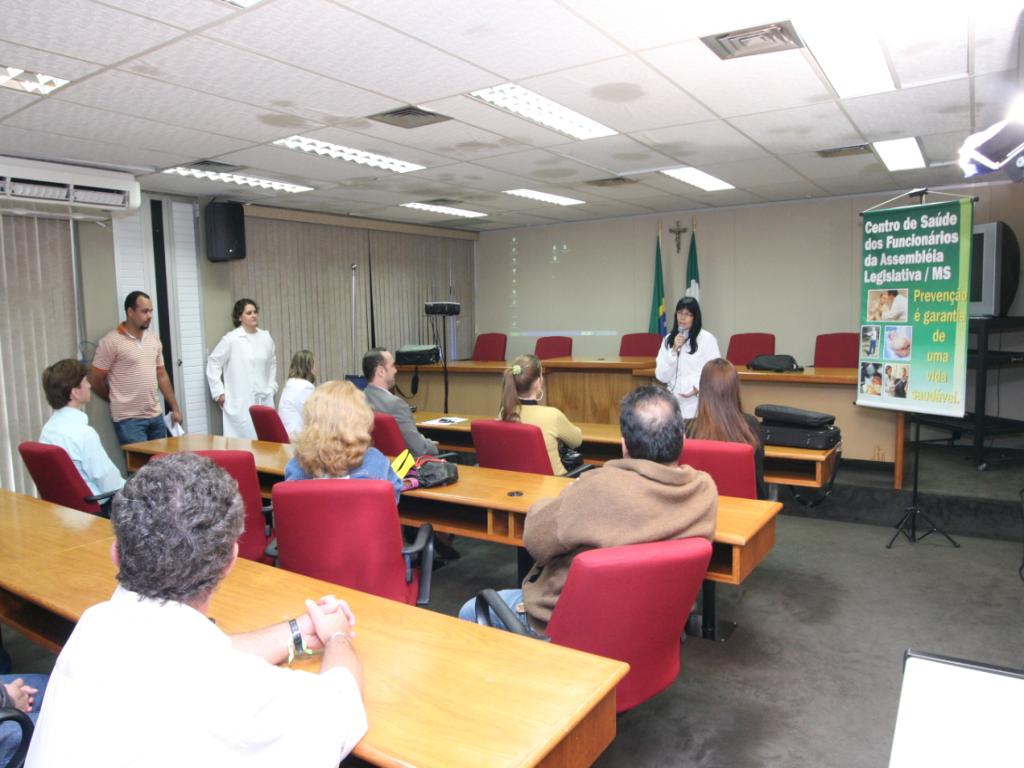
805, 467
438, 691
480, 506
585, 389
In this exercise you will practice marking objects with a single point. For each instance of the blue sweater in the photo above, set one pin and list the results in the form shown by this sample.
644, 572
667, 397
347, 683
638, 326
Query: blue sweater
375, 466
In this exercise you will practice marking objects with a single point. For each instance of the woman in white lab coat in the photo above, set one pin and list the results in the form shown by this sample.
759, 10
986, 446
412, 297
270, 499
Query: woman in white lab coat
242, 370
683, 354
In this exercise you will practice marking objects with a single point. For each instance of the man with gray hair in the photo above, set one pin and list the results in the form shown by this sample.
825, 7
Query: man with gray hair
644, 496
147, 678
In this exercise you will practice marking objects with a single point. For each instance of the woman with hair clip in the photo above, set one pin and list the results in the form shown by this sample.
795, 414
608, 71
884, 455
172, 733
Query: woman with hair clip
300, 385
720, 415
242, 370
523, 389
681, 358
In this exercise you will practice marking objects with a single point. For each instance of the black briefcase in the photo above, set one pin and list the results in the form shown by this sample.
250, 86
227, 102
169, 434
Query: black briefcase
784, 415
819, 438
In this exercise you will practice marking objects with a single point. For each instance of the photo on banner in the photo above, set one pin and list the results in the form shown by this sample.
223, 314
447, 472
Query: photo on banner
916, 270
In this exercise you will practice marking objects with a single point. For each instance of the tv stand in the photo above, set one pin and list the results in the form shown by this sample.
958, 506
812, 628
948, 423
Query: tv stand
977, 423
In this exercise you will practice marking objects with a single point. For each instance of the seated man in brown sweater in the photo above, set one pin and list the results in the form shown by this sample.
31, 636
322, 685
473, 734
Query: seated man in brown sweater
645, 496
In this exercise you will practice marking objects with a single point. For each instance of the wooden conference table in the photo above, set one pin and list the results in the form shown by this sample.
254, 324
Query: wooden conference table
588, 390
804, 467
438, 691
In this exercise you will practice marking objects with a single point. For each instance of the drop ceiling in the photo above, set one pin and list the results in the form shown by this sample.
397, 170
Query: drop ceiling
158, 84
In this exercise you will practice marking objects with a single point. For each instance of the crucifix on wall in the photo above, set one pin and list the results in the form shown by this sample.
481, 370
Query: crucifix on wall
678, 231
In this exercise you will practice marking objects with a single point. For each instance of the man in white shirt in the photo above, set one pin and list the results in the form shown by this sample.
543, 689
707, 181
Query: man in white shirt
68, 391
147, 679
894, 306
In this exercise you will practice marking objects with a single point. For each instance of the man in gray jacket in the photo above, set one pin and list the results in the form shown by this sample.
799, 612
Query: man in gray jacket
379, 370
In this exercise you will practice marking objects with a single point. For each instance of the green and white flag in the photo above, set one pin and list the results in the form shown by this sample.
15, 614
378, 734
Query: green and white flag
692, 272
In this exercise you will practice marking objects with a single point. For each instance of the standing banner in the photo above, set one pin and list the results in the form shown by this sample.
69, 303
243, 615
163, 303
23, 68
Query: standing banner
916, 273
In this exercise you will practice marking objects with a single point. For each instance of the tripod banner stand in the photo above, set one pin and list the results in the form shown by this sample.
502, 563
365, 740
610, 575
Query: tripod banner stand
915, 286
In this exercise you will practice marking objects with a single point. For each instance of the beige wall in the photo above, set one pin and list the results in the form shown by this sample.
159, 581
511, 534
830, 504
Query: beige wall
790, 269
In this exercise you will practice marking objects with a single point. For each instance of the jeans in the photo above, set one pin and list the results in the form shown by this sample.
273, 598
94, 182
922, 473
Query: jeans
138, 430
511, 598
10, 733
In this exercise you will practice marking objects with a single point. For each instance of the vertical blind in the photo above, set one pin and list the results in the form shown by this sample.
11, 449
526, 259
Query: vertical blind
37, 328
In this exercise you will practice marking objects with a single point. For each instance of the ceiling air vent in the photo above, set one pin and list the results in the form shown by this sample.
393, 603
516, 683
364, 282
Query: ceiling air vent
854, 149
214, 167
443, 201
770, 38
614, 181
409, 117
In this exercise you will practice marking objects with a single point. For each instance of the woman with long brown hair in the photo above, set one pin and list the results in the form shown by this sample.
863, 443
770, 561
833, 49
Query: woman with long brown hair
522, 391
720, 415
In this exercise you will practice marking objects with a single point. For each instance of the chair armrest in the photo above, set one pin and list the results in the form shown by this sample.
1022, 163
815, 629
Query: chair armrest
579, 470
268, 517
488, 598
271, 551
25, 723
423, 546
100, 498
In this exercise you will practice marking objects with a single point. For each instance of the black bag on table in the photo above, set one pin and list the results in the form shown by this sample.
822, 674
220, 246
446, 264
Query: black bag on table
432, 471
797, 428
571, 458
777, 363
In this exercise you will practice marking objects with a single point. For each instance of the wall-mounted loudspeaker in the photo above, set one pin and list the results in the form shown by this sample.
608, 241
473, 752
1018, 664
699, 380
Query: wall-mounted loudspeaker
225, 231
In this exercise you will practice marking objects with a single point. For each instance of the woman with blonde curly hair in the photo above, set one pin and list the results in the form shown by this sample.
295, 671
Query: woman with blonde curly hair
335, 439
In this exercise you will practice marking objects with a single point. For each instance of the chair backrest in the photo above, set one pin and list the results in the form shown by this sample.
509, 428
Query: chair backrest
490, 346
631, 603
510, 445
639, 345
343, 531
731, 465
55, 476
836, 350
268, 424
744, 347
242, 467
387, 437
553, 346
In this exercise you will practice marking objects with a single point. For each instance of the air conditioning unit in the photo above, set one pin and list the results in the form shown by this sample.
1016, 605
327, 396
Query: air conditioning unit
38, 186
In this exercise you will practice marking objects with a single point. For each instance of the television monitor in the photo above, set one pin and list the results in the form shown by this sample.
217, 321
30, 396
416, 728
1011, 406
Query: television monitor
995, 269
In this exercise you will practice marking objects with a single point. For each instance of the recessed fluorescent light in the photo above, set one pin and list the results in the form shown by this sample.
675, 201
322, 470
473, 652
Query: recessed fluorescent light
525, 103
445, 210
849, 53
348, 154
242, 3
900, 154
245, 181
29, 82
544, 197
699, 179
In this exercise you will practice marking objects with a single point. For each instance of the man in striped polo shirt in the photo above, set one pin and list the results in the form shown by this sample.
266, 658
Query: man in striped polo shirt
128, 369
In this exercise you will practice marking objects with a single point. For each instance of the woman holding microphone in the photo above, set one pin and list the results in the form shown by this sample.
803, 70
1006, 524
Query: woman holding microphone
682, 357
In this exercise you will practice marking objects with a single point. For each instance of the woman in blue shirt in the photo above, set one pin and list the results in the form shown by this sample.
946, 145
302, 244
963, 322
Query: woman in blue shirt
335, 439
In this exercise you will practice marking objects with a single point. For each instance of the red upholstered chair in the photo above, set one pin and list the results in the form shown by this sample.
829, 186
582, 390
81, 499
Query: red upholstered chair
490, 346
731, 465
387, 437
348, 532
242, 467
513, 446
268, 424
744, 347
836, 350
553, 346
639, 345
627, 603
57, 479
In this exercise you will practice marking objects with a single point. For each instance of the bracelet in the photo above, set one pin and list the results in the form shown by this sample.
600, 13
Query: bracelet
348, 637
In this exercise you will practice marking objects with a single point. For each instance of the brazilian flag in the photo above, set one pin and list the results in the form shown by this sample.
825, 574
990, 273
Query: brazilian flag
658, 318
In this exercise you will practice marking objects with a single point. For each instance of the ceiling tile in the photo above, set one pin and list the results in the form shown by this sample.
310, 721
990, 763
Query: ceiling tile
86, 30
714, 141
791, 190
667, 202
277, 160
816, 168
83, 122
942, 147
42, 145
615, 154
187, 14
997, 33
323, 37
450, 139
496, 35
622, 93
12, 101
912, 111
179, 185
819, 126
411, 153
748, 173
993, 95
543, 167
118, 91
211, 67
42, 61
741, 86
475, 176
476, 113
927, 47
